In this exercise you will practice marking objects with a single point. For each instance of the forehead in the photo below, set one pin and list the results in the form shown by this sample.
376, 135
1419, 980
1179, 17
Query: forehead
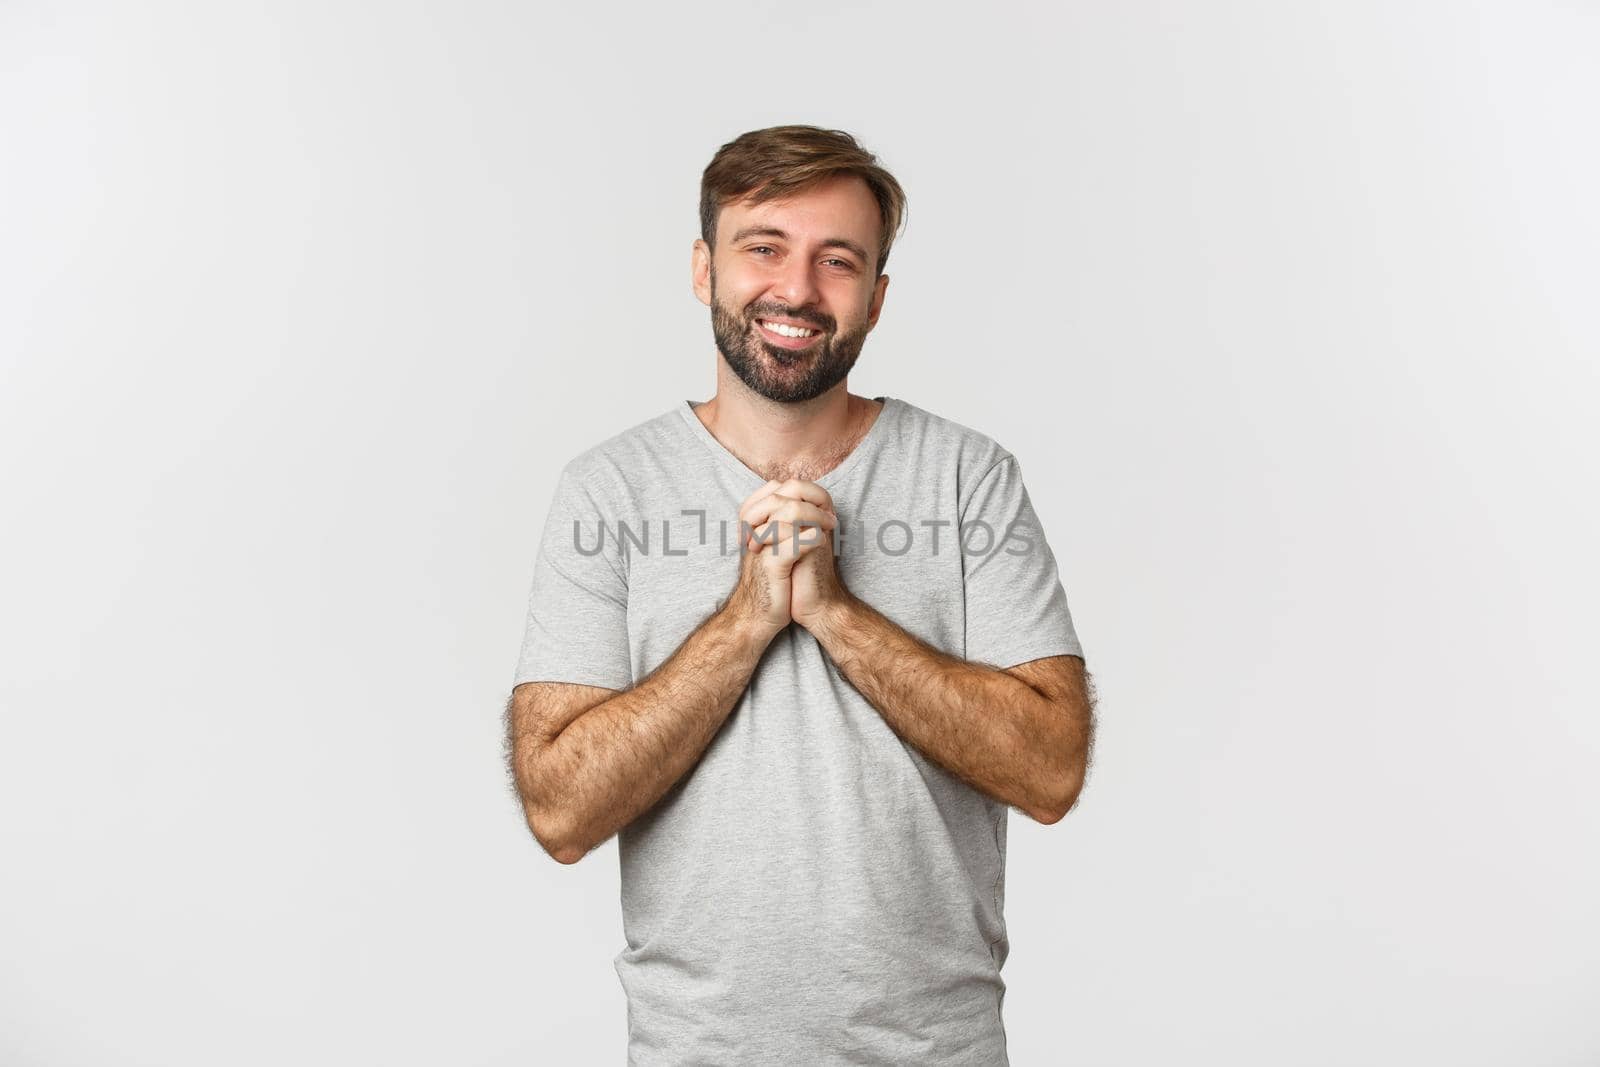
840, 207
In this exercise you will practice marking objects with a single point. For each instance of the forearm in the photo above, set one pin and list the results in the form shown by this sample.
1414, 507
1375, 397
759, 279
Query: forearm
613, 762
985, 726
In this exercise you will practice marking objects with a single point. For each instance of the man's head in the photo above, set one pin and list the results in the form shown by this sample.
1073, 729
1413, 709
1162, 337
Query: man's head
796, 224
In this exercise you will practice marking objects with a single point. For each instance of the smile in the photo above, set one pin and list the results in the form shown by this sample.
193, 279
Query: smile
787, 336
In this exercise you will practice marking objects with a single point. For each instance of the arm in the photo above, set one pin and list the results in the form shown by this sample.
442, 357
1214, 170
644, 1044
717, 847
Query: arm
587, 764
583, 779
1021, 735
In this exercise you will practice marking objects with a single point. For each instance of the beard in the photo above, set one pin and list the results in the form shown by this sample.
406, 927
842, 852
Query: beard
785, 375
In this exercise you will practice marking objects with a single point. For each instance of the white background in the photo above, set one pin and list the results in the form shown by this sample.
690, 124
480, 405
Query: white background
1288, 310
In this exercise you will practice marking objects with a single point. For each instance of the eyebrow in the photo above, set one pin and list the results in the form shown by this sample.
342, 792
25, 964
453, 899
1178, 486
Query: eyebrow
772, 231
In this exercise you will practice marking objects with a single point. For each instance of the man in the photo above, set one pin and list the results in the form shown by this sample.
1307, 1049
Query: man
801, 650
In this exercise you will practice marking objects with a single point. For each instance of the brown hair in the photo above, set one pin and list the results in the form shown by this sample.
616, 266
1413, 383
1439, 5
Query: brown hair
781, 161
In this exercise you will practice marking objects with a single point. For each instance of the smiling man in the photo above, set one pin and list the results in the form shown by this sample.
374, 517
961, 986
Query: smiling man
801, 651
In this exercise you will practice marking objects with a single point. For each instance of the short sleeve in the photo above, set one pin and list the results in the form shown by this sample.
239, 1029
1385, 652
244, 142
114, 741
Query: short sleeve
1016, 608
577, 623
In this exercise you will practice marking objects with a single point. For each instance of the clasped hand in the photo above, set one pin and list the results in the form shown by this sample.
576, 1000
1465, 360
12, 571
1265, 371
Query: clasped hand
786, 567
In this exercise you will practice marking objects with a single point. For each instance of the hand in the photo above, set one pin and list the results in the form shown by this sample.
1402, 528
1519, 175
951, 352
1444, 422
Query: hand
783, 529
814, 584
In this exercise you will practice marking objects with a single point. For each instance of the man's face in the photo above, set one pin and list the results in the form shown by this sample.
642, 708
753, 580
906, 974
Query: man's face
807, 261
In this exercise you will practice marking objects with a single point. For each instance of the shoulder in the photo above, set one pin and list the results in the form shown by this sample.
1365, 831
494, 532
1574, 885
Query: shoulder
611, 469
938, 442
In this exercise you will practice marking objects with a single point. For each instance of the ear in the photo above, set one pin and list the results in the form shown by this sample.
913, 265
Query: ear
877, 301
700, 270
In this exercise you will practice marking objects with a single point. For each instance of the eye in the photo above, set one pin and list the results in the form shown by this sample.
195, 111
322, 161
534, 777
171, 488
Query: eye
761, 248
846, 264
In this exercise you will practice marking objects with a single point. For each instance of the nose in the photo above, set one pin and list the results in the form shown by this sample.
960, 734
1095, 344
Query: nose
796, 285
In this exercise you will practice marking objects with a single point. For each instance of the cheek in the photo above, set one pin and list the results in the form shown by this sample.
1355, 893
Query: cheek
852, 308
738, 297
856, 296
731, 301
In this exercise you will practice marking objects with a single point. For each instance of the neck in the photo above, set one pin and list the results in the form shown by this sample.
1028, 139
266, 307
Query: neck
802, 440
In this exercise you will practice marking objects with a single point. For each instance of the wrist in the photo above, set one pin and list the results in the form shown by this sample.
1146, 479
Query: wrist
832, 618
750, 629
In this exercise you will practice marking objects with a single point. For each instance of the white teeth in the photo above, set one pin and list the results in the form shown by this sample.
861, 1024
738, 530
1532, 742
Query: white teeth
787, 331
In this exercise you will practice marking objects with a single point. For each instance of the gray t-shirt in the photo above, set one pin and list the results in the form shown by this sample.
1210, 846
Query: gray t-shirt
814, 890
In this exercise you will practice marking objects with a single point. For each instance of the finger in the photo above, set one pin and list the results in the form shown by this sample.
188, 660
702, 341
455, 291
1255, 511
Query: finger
792, 539
764, 493
808, 491
754, 500
810, 535
771, 484
767, 535
781, 528
788, 509
792, 489
777, 535
769, 532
